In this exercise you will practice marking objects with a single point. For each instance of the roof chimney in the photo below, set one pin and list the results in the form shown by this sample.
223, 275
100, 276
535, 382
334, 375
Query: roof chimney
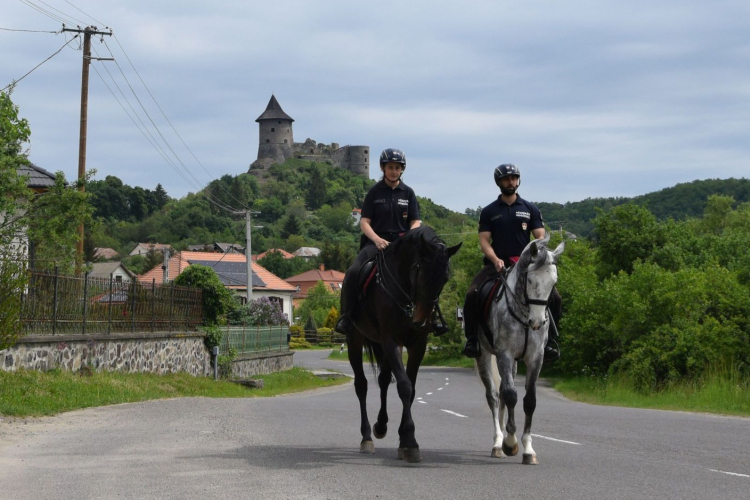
322, 267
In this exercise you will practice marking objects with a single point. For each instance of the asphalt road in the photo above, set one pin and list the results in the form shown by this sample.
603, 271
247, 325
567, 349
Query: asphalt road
307, 446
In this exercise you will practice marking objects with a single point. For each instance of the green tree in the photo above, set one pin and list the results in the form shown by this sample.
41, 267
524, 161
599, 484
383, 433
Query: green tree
217, 300
316, 190
626, 233
338, 256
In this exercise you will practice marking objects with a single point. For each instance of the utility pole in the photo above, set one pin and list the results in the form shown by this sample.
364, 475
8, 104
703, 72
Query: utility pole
248, 254
87, 32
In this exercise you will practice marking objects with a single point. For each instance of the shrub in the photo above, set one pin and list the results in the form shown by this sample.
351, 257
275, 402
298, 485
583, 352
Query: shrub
217, 300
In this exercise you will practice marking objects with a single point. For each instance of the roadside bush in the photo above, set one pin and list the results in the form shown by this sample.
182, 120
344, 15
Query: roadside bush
217, 300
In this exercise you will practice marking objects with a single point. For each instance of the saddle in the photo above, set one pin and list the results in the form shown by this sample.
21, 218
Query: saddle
366, 275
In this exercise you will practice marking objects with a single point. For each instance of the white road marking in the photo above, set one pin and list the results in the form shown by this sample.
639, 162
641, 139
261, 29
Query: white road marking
423, 402
447, 383
454, 413
429, 394
553, 439
446, 378
729, 473
440, 388
419, 398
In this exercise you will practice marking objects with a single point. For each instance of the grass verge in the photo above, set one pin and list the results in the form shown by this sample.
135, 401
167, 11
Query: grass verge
722, 393
32, 393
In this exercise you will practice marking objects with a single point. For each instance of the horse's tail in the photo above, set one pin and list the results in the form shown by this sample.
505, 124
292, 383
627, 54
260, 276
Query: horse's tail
371, 355
493, 371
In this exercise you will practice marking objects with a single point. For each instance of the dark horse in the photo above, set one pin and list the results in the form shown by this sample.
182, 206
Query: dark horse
396, 311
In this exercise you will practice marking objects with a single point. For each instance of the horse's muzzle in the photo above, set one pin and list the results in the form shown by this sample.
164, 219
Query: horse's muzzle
422, 314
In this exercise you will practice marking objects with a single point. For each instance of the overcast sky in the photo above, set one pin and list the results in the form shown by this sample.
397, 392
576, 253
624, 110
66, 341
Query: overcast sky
589, 98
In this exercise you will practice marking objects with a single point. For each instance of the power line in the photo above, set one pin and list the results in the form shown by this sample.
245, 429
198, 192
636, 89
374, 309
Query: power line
31, 31
168, 121
217, 202
35, 67
61, 12
85, 14
45, 12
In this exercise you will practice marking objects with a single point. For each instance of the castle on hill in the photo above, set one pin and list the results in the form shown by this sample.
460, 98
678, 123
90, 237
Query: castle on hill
276, 145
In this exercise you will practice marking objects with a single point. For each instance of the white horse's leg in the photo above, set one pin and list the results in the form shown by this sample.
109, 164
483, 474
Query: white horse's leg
508, 399
534, 367
488, 374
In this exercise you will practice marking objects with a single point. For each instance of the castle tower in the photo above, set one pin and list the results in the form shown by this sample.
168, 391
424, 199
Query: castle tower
276, 137
359, 160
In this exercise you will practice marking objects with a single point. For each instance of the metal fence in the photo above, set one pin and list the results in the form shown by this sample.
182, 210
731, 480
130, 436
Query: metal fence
254, 339
57, 304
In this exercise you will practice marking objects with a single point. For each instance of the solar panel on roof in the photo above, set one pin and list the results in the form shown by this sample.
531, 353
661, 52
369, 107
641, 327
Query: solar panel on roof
230, 273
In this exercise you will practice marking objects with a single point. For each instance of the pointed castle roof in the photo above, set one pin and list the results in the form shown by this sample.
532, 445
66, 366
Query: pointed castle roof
274, 112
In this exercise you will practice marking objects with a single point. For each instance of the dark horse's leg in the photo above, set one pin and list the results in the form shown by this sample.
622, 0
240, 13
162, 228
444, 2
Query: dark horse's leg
416, 355
384, 380
509, 398
408, 447
355, 342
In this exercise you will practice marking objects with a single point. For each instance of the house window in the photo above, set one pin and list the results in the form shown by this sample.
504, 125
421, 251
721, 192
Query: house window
277, 300
118, 279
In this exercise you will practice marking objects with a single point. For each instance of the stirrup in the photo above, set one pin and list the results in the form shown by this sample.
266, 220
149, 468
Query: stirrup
471, 348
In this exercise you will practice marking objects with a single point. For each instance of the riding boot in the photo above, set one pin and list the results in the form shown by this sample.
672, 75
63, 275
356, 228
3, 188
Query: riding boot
552, 349
349, 296
471, 348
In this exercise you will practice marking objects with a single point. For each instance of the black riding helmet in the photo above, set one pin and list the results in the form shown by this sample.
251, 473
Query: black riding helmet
392, 155
505, 170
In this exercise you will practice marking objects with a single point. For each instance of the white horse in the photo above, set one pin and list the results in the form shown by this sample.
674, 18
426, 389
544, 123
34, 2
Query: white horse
518, 321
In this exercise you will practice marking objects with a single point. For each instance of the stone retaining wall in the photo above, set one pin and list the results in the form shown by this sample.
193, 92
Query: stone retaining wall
128, 352
266, 362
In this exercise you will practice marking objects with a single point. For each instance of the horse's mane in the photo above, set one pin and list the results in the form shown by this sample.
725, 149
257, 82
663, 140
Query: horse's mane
413, 238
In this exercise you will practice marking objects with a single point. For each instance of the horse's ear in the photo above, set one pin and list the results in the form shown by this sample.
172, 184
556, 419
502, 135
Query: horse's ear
533, 250
558, 251
452, 250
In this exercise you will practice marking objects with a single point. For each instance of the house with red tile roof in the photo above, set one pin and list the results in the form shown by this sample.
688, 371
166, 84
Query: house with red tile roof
232, 270
305, 281
283, 253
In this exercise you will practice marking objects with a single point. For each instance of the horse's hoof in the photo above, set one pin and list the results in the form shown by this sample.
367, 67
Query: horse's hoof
409, 455
367, 447
530, 459
497, 453
377, 433
510, 451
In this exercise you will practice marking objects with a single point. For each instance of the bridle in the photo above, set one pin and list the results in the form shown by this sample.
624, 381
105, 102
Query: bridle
524, 306
407, 302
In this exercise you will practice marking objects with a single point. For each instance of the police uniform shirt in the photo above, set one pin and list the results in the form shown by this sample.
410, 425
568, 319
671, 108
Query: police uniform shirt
390, 210
510, 226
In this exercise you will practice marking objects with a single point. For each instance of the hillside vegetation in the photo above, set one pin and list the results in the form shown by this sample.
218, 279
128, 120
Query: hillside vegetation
679, 202
301, 203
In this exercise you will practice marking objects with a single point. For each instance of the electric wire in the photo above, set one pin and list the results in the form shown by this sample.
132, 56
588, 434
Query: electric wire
31, 31
61, 12
45, 12
155, 146
168, 120
35, 67
85, 14
215, 201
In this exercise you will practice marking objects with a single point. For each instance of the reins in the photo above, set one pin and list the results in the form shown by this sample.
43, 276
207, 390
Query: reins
387, 277
525, 307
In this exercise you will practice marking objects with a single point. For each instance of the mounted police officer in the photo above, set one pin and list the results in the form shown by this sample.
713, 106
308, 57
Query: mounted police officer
505, 226
389, 210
